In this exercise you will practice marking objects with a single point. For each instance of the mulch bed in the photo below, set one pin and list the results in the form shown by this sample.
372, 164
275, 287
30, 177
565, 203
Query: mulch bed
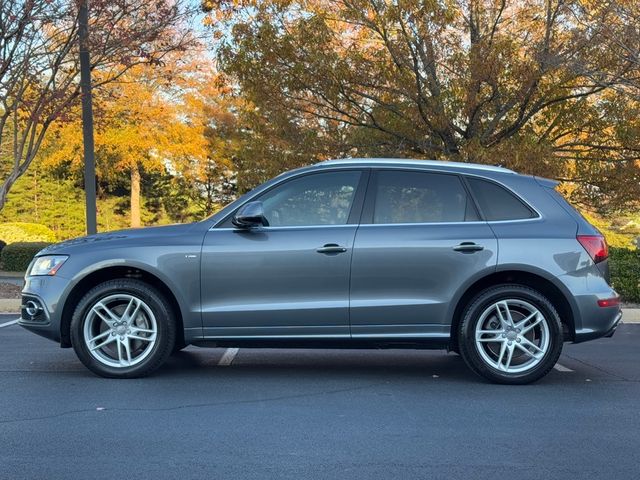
9, 290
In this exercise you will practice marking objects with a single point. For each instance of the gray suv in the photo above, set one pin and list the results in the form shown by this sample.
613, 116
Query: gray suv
344, 254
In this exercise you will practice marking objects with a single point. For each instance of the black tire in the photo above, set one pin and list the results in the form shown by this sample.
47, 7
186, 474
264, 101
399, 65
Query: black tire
469, 349
164, 317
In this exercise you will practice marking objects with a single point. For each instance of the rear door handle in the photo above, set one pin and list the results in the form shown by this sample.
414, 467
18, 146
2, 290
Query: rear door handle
331, 248
468, 247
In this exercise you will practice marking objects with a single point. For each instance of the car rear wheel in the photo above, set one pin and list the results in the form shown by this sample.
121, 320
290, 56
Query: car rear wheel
510, 334
123, 328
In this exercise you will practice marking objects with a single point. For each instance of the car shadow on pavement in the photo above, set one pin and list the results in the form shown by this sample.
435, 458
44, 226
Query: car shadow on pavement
302, 364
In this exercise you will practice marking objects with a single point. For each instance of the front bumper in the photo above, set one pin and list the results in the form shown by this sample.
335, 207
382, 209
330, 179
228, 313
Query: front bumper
43, 295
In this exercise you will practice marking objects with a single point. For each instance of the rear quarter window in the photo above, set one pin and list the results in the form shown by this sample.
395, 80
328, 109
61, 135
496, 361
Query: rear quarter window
563, 201
497, 203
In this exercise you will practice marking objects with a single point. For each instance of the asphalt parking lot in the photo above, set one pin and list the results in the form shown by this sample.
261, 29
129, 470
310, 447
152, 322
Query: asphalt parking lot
302, 414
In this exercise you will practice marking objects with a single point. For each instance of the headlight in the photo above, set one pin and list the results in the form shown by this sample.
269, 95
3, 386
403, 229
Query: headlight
47, 264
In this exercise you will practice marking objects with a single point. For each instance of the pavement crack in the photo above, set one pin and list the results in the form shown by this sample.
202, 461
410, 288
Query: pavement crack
194, 405
600, 369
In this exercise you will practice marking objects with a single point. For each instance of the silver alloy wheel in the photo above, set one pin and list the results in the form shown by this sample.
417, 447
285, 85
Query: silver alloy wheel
120, 330
512, 336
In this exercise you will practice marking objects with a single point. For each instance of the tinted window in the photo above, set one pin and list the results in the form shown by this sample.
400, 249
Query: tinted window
420, 197
497, 203
318, 199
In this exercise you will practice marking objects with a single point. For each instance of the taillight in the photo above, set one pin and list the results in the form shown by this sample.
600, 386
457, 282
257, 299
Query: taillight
595, 245
609, 302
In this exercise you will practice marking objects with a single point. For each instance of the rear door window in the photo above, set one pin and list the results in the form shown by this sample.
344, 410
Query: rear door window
420, 197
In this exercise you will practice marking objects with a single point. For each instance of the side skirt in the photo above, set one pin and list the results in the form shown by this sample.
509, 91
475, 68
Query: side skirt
346, 343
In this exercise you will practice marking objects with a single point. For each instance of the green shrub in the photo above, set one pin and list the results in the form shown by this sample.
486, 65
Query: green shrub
614, 237
625, 272
2, 245
16, 257
25, 232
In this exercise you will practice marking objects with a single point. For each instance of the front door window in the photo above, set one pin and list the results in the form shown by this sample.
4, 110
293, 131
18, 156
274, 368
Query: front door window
317, 199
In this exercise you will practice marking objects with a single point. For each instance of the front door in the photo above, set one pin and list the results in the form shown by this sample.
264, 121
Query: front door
290, 278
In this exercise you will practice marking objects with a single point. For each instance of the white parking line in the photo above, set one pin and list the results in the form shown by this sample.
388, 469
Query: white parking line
562, 368
8, 324
228, 356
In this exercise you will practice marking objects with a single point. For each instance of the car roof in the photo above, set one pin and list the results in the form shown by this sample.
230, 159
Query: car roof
394, 162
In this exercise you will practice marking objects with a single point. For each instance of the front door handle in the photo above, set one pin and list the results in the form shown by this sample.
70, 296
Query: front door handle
331, 248
468, 247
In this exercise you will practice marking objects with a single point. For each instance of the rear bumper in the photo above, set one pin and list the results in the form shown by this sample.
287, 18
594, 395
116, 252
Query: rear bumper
602, 324
613, 329
586, 290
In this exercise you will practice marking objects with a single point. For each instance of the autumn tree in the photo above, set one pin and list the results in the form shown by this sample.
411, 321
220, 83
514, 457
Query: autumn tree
141, 125
517, 83
209, 101
616, 25
39, 67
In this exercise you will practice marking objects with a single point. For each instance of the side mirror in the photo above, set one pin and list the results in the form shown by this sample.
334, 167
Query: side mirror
250, 215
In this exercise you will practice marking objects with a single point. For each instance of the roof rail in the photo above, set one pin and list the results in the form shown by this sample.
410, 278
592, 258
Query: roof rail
408, 161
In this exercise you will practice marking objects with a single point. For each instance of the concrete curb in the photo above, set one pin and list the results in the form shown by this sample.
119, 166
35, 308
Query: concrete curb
10, 305
631, 315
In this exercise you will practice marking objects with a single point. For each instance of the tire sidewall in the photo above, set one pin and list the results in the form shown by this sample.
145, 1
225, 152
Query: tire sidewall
165, 336
471, 317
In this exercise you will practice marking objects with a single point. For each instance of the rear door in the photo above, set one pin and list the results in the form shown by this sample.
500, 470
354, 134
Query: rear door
419, 241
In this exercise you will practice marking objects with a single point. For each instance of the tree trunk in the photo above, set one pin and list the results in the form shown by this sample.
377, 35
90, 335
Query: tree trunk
4, 190
6, 186
135, 196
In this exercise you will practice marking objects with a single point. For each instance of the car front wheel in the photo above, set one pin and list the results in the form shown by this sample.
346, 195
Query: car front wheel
123, 328
510, 334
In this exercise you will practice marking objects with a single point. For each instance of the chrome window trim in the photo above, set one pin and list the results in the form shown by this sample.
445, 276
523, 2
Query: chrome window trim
293, 176
423, 224
284, 227
474, 222
337, 166
511, 191
468, 174
462, 175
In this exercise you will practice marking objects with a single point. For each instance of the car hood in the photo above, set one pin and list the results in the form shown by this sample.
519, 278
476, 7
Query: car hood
120, 236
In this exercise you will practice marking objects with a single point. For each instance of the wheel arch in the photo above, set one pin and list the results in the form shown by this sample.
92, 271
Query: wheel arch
555, 293
100, 275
